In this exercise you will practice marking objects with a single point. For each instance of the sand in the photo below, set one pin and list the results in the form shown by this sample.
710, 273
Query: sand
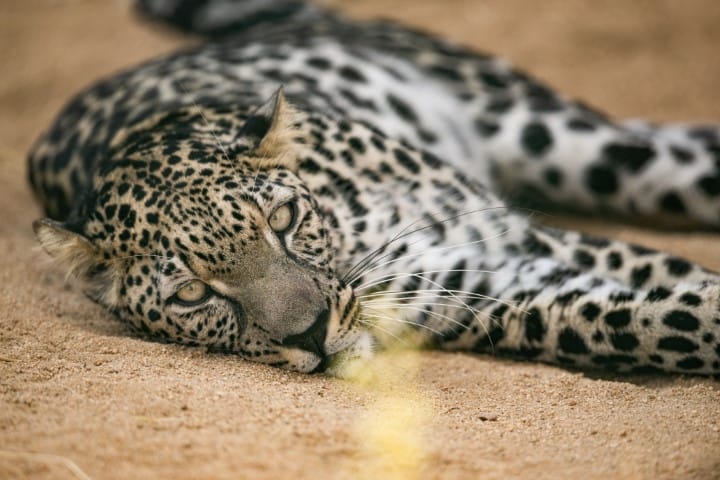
82, 398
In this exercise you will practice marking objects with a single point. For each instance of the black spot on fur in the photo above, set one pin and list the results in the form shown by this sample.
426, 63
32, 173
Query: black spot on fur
447, 72
681, 320
319, 63
499, 105
581, 125
671, 202
569, 297
682, 155
677, 344
641, 251
690, 299
553, 176
678, 266
431, 160
534, 327
622, 296
656, 359
618, 318
584, 258
494, 335
614, 261
657, 294
535, 246
710, 185
486, 128
632, 158
352, 74
402, 109
406, 161
590, 311
627, 342
602, 180
454, 280
309, 165
570, 341
690, 363
640, 275
536, 139
357, 144
492, 80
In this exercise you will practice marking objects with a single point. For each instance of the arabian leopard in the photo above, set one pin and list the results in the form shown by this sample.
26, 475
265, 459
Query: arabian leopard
301, 188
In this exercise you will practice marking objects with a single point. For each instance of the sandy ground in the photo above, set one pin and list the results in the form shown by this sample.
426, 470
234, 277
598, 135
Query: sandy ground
80, 398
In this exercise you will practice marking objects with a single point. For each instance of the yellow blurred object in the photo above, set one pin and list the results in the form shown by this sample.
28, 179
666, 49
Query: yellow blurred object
392, 433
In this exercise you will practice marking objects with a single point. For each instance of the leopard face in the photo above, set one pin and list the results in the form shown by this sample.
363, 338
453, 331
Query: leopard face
200, 243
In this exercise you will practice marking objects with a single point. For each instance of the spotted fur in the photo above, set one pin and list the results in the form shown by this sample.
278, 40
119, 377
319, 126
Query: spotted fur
391, 152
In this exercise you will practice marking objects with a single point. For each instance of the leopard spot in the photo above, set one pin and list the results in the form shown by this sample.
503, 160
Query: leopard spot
590, 311
570, 341
618, 318
681, 320
690, 363
677, 344
690, 299
534, 327
602, 180
536, 139
626, 342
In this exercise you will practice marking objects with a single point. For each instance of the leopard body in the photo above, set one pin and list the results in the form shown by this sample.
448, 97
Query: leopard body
399, 155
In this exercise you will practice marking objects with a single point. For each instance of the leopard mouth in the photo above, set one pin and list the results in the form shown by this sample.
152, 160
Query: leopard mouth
325, 362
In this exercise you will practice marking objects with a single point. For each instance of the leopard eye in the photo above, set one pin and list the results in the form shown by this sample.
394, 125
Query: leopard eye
282, 218
194, 292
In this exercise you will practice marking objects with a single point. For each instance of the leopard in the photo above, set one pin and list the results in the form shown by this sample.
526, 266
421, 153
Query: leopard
300, 189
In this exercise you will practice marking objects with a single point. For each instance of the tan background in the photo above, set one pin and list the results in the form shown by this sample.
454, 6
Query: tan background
74, 387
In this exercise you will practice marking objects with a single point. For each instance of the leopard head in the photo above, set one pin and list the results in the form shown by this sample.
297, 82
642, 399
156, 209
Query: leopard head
198, 230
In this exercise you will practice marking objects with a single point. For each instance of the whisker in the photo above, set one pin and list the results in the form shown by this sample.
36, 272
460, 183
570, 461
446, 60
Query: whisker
389, 277
386, 331
451, 294
403, 233
430, 250
433, 293
420, 308
395, 276
407, 322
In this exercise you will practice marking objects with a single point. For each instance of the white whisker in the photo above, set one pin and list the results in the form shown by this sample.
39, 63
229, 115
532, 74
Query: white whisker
386, 331
406, 322
394, 276
432, 293
371, 257
423, 310
433, 250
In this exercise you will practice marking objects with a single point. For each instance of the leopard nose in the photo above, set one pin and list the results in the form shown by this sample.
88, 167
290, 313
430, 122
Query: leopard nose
313, 339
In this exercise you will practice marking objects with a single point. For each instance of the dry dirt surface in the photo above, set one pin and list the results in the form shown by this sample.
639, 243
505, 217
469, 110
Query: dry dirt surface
81, 398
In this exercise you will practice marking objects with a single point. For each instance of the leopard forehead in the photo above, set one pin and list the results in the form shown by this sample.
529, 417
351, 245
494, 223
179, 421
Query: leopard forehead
194, 208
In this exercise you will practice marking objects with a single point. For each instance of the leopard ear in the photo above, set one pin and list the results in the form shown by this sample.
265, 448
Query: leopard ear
270, 129
81, 258
69, 248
